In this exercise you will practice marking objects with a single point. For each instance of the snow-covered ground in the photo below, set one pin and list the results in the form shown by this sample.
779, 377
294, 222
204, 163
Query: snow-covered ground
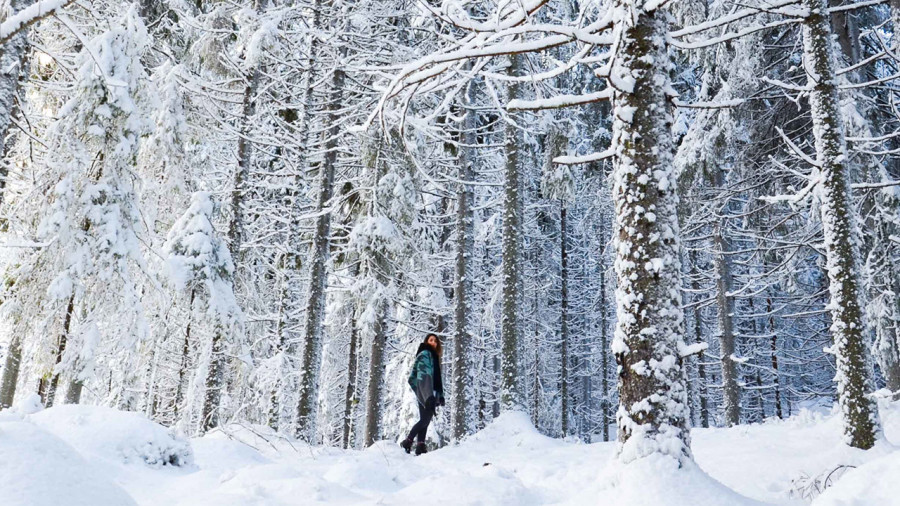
83, 455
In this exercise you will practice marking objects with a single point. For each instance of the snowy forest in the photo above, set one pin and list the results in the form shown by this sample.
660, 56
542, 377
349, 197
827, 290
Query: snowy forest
227, 219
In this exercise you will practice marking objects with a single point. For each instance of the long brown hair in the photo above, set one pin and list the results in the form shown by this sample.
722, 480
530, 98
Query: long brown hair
439, 349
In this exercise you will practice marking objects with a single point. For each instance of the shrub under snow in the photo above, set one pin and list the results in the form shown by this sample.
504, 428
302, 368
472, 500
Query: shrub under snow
115, 435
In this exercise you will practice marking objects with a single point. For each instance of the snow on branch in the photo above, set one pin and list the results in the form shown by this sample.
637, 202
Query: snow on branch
722, 104
29, 16
784, 85
796, 149
559, 101
858, 5
870, 83
731, 36
874, 186
593, 157
686, 350
797, 197
731, 18
455, 14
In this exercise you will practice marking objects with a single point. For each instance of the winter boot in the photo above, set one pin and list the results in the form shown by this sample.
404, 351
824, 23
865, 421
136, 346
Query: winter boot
407, 444
421, 448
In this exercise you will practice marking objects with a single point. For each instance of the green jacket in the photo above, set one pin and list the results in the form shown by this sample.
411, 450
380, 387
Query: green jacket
422, 378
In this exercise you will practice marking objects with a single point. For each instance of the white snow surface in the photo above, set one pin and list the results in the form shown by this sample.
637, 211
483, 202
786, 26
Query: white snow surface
85, 455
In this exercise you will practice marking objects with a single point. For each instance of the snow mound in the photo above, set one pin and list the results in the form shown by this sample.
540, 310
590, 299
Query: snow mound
485, 485
113, 435
871, 483
512, 429
39, 469
658, 479
29, 404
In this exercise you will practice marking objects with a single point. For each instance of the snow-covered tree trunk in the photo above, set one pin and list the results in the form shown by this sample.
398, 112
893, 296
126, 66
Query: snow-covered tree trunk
776, 377
564, 318
60, 351
465, 234
376, 375
861, 425
185, 356
315, 306
212, 396
653, 410
509, 325
604, 341
10, 376
350, 393
731, 392
244, 157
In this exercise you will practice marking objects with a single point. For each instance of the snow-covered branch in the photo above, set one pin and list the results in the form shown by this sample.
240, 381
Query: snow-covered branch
559, 101
29, 16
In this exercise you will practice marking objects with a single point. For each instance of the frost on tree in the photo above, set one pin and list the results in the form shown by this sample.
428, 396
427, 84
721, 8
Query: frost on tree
200, 265
91, 219
853, 377
653, 406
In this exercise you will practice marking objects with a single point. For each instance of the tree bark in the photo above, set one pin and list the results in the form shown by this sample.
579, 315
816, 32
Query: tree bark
60, 351
604, 341
770, 309
350, 394
731, 392
463, 284
861, 424
212, 397
376, 374
509, 326
11, 372
185, 355
653, 408
564, 319
312, 346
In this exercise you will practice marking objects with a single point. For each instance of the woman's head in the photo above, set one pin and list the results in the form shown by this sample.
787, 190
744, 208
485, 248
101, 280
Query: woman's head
435, 342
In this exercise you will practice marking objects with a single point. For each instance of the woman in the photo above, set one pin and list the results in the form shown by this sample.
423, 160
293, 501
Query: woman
425, 380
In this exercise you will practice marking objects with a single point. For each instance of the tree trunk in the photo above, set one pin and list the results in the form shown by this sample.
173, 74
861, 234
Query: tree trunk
185, 355
11, 372
774, 349
73, 393
861, 425
315, 308
209, 418
350, 395
731, 392
604, 342
509, 326
376, 374
653, 406
564, 319
536, 389
463, 283
698, 338
60, 351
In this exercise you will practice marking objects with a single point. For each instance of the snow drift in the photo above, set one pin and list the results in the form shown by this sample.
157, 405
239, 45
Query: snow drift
85, 455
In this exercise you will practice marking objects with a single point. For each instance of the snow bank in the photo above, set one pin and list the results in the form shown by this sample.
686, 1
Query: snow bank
80, 455
114, 435
869, 484
39, 469
658, 479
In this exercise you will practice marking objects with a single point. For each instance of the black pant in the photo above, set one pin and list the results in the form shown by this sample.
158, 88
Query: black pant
419, 429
